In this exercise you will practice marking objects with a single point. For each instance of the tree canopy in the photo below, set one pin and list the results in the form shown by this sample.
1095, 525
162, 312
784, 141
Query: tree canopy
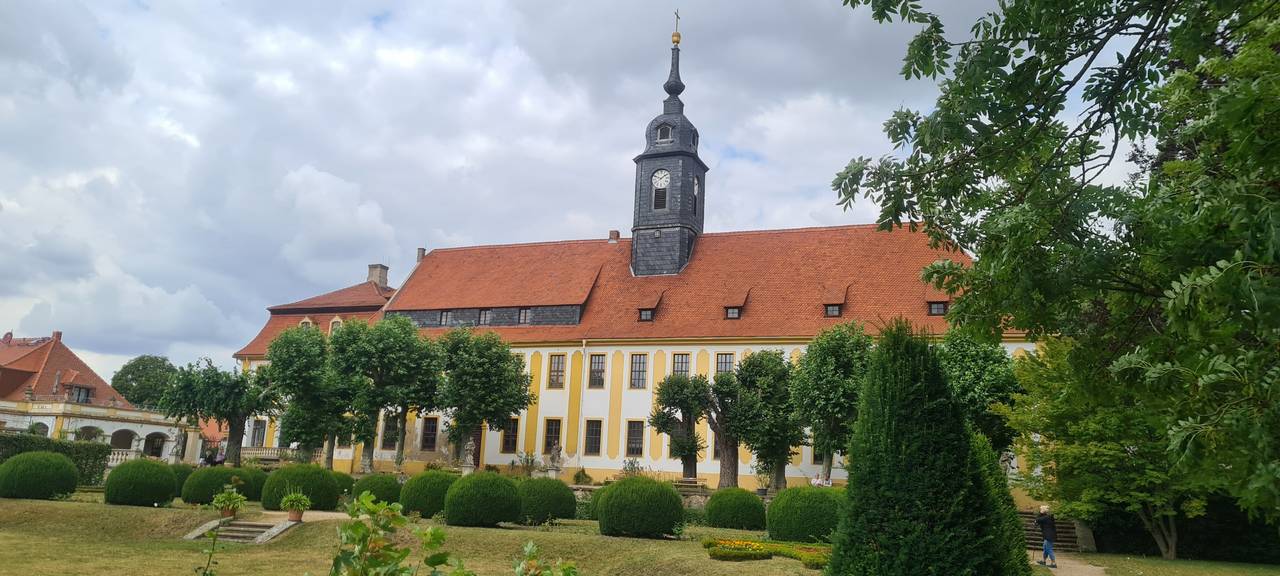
767, 422
202, 391
143, 380
680, 402
826, 384
980, 375
484, 383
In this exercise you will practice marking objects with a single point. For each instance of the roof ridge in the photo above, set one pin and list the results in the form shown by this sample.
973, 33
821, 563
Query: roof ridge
375, 286
520, 244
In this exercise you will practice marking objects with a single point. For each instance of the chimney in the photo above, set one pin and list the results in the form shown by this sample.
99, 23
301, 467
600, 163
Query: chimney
57, 335
613, 236
422, 253
377, 275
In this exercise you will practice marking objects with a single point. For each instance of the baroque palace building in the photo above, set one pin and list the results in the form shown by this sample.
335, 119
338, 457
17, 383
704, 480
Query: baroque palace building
601, 322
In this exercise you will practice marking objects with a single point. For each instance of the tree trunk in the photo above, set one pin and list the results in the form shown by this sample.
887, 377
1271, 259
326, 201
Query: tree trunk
235, 437
780, 474
728, 460
402, 417
366, 458
827, 460
1163, 529
328, 451
689, 462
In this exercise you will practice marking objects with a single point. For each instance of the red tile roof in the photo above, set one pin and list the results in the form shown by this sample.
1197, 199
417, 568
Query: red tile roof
40, 363
279, 322
785, 277
358, 302
362, 295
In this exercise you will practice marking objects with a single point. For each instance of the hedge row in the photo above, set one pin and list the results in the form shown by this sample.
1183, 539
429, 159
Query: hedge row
425, 493
314, 481
384, 487
89, 458
805, 514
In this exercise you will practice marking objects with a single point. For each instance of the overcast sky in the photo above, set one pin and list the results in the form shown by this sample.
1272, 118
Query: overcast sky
170, 169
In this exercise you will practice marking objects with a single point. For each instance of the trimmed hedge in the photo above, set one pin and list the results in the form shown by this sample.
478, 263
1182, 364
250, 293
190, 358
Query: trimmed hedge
482, 499
545, 499
639, 506
89, 458
180, 474
205, 483
345, 481
735, 508
425, 493
37, 476
140, 483
804, 514
314, 481
384, 487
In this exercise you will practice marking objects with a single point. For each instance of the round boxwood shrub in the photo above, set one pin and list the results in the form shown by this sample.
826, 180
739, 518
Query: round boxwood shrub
314, 481
482, 499
639, 506
180, 474
205, 483
804, 514
252, 481
384, 487
425, 492
140, 483
345, 481
37, 475
545, 499
593, 504
735, 508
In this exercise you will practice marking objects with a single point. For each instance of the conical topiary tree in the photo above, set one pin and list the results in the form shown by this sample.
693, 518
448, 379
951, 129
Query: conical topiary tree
914, 505
1008, 544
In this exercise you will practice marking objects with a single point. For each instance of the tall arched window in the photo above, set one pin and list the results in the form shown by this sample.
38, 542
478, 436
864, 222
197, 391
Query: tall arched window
335, 324
664, 132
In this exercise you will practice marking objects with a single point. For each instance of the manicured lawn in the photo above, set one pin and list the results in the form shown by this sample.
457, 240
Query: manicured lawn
1119, 565
57, 538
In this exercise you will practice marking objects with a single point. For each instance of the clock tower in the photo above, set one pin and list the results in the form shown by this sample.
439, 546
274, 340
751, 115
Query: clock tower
671, 181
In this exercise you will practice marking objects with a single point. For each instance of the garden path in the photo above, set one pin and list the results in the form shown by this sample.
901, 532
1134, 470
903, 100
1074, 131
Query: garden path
1070, 565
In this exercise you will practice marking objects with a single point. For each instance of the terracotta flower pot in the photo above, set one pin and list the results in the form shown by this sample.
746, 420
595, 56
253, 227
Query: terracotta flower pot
228, 513
295, 515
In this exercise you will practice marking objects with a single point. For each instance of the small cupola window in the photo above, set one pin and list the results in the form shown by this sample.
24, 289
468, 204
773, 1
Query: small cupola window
306, 323
732, 312
664, 132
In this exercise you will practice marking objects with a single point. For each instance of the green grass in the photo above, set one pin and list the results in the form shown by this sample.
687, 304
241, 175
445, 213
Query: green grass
1120, 565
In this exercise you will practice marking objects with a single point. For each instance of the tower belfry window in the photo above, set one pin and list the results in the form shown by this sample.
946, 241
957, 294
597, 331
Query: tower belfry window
664, 132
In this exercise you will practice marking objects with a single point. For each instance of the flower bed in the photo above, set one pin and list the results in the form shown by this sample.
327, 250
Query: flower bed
813, 556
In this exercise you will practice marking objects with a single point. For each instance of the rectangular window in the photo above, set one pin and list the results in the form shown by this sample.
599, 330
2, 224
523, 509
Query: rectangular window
555, 376
635, 438
81, 395
389, 432
597, 371
510, 434
732, 312
937, 308
724, 362
660, 199
523, 316
258, 437
446, 317
485, 317
646, 314
639, 370
592, 447
680, 364
833, 310
551, 436
430, 434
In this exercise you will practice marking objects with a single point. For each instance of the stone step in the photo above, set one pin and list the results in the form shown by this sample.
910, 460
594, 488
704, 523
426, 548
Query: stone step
242, 524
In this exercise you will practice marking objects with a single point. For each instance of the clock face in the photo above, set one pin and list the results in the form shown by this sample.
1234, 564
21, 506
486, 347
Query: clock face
661, 179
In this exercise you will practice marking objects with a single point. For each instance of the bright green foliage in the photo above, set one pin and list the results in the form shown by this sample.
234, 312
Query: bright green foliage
384, 487
915, 497
344, 481
482, 499
825, 387
368, 544
425, 492
485, 383
143, 380
314, 481
1170, 275
1008, 542
229, 500
1099, 447
201, 391
546, 499
90, 458
317, 401
735, 508
140, 483
980, 375
180, 473
37, 476
804, 514
765, 415
639, 506
680, 402
530, 565
254, 479
205, 483
295, 502
593, 504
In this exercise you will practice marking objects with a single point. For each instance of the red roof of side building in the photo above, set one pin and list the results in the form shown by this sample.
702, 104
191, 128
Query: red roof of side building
362, 295
362, 301
279, 322
47, 368
781, 278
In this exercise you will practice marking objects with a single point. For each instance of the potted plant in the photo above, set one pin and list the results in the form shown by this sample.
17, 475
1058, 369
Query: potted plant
296, 503
764, 476
229, 501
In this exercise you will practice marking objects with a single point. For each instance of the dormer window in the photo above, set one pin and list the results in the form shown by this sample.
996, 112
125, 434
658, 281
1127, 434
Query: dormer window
938, 308
485, 317
335, 324
833, 310
732, 312
522, 317
646, 314
664, 132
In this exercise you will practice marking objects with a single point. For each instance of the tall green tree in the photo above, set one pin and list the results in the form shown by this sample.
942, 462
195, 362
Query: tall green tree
143, 380
724, 411
915, 498
825, 387
1100, 444
315, 397
350, 348
681, 402
202, 391
767, 422
980, 375
999, 515
1170, 275
485, 383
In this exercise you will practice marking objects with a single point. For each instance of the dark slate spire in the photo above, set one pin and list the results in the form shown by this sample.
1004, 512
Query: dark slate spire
674, 86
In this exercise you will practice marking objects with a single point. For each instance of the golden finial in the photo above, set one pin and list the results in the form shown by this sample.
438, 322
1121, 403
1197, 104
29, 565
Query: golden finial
675, 36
